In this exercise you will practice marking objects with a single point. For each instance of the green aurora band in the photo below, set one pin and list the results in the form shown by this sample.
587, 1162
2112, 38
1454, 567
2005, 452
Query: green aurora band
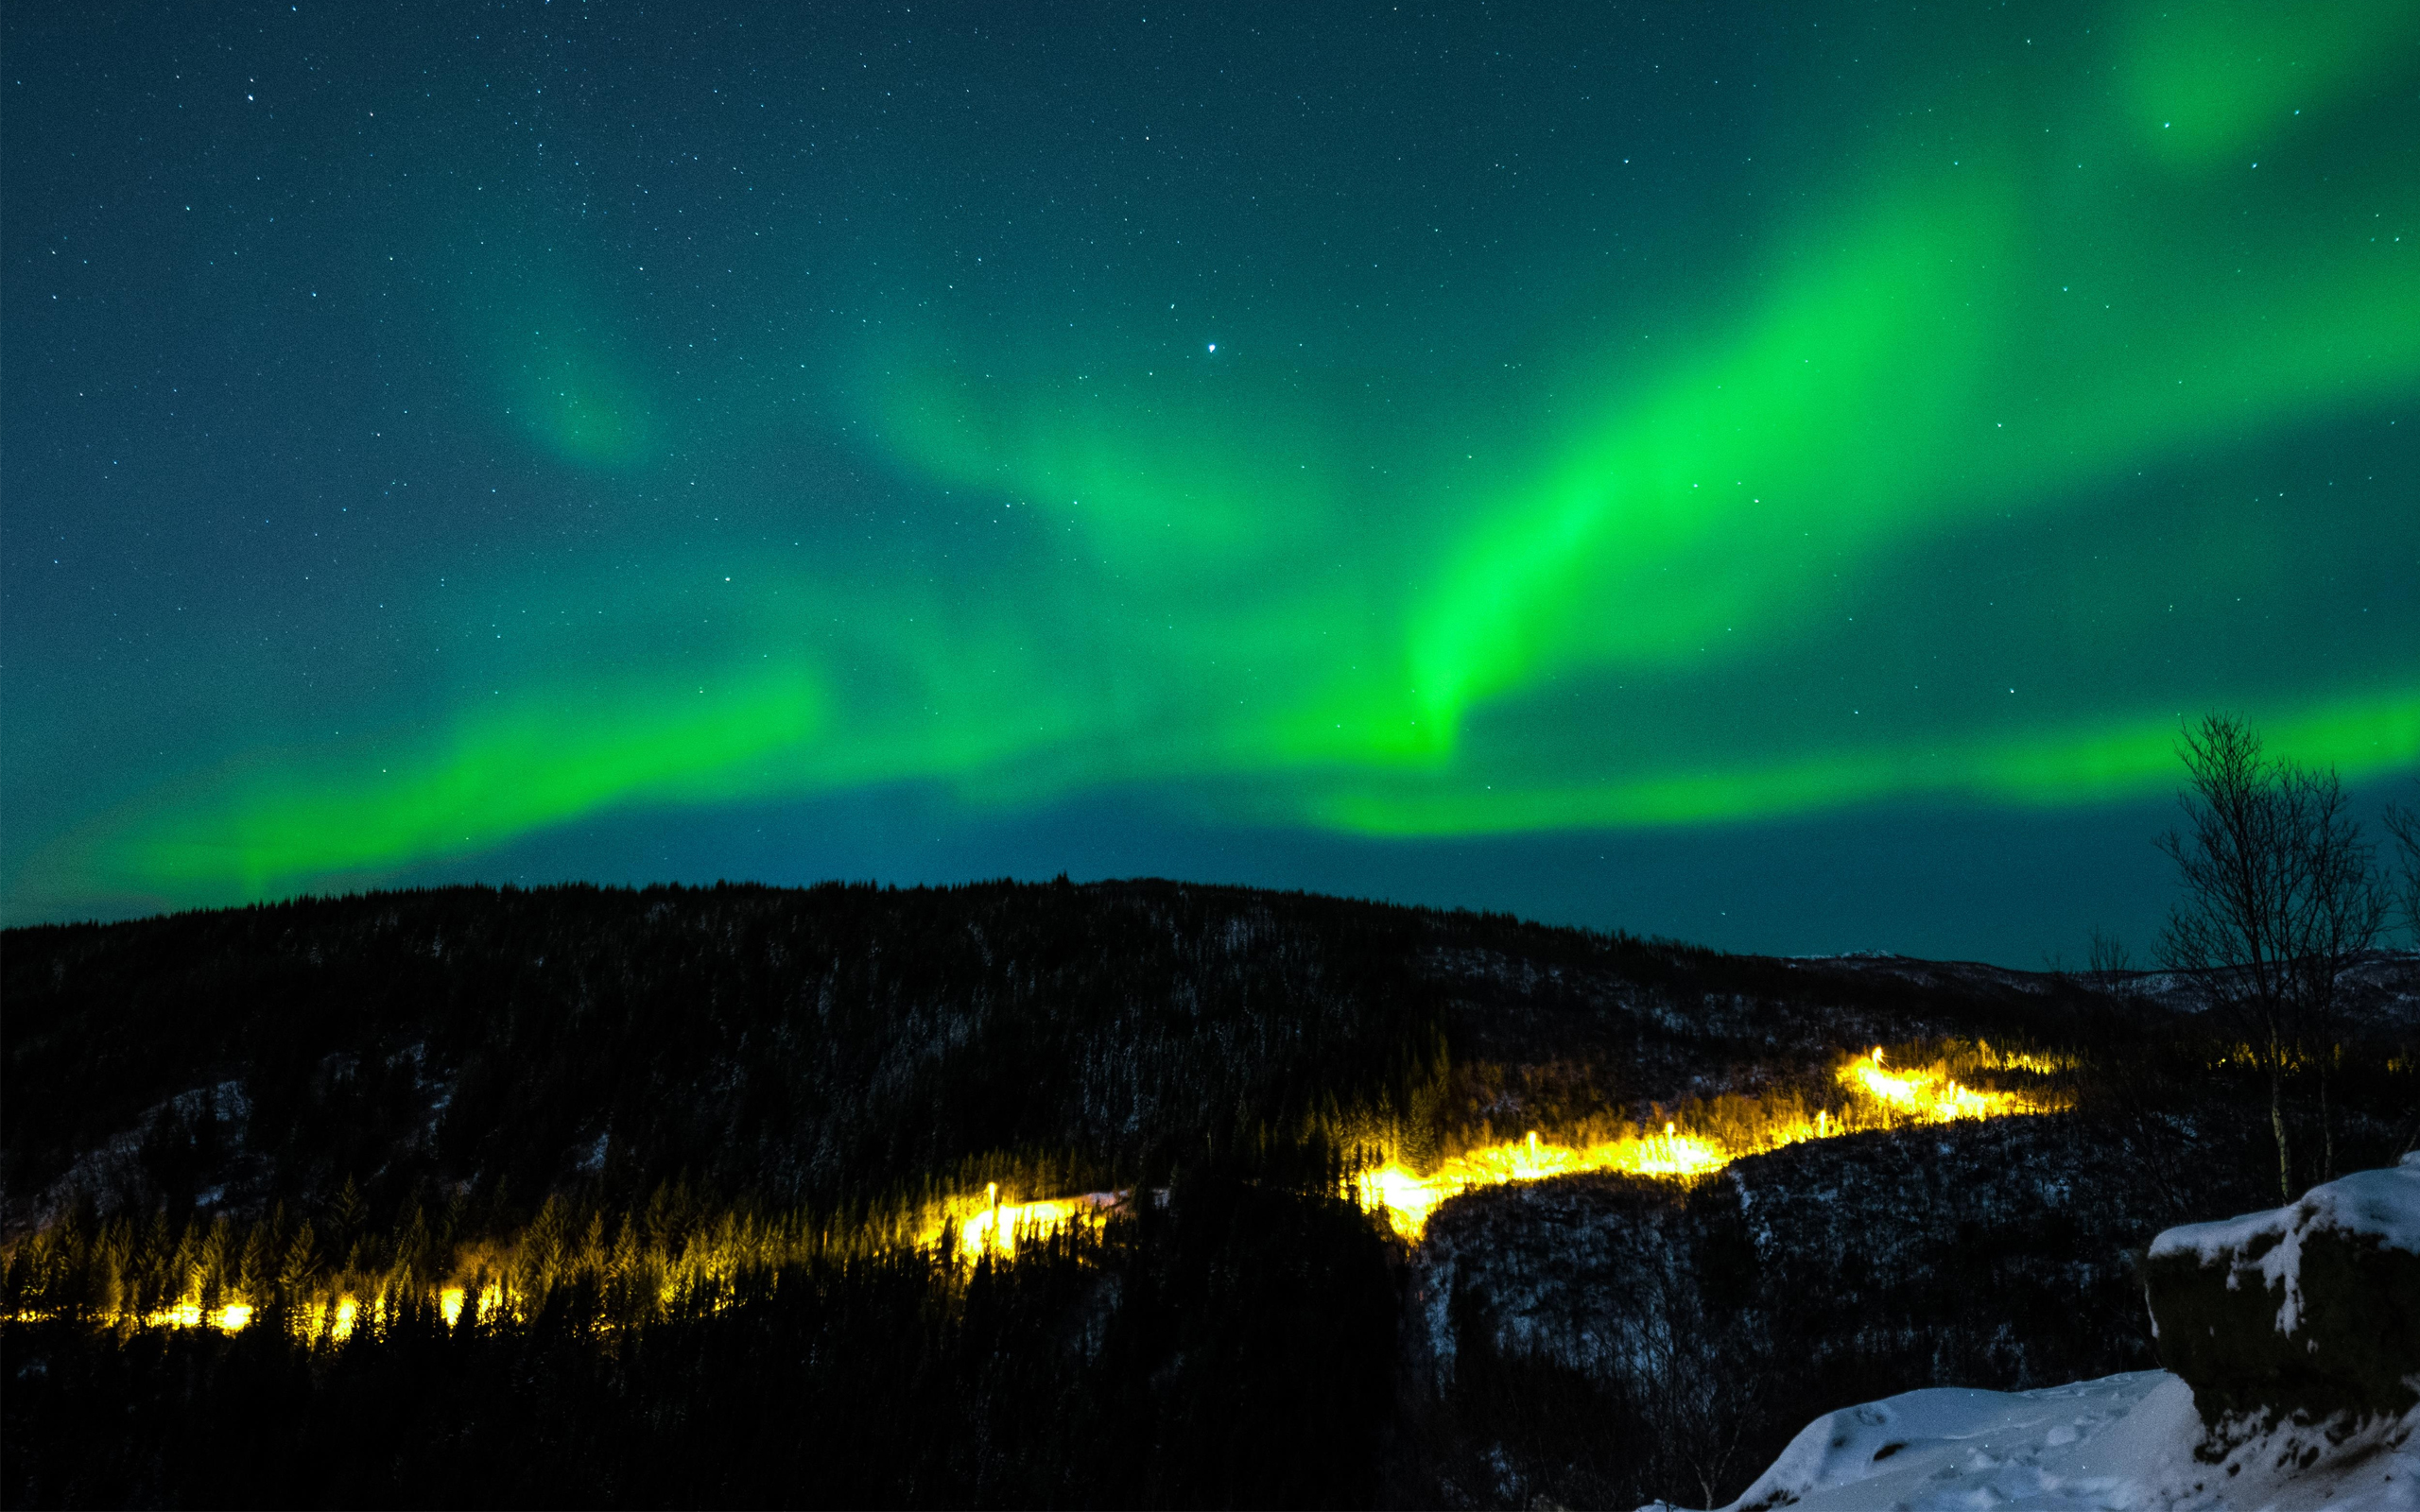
1947, 488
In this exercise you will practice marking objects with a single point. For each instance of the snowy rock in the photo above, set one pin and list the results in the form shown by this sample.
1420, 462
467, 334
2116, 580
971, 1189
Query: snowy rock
2294, 1339
2125, 1443
2311, 1308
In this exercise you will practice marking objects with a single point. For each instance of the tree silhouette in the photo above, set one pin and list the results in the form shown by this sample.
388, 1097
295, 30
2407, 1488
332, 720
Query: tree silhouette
2280, 895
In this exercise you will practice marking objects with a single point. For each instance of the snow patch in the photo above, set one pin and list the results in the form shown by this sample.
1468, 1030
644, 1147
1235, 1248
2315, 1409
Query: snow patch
2125, 1443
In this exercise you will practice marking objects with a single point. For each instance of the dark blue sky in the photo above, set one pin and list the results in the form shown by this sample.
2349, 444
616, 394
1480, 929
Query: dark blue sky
1774, 476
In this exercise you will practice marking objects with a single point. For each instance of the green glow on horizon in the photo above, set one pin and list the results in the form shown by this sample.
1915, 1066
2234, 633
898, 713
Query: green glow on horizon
2360, 739
1577, 543
532, 764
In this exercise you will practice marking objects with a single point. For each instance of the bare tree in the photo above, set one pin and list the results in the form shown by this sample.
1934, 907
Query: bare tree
1700, 1373
2280, 895
2404, 824
2343, 906
2109, 967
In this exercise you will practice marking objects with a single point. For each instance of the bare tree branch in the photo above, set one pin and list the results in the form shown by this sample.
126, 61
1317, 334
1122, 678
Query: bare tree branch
2281, 896
2404, 824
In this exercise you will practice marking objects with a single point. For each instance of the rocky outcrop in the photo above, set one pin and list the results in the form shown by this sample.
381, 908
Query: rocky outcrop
2292, 1339
2312, 1308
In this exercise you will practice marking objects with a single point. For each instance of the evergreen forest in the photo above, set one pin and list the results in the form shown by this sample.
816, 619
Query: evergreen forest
588, 1196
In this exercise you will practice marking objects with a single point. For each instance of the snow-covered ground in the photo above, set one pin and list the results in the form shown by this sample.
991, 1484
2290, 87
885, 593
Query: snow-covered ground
2125, 1443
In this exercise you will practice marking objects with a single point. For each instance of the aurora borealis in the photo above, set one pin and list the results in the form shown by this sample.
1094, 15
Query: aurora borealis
561, 436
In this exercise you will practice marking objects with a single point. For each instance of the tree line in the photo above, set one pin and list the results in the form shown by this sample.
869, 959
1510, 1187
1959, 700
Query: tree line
1235, 1346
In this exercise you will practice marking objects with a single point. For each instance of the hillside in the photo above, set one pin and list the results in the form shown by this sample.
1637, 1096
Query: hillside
826, 1045
594, 1188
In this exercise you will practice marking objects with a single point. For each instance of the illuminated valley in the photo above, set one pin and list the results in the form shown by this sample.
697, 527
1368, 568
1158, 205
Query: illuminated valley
985, 1223
195, 1284
1875, 1096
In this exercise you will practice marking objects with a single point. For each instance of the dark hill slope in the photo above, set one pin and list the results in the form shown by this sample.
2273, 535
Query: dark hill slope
833, 1045
327, 1068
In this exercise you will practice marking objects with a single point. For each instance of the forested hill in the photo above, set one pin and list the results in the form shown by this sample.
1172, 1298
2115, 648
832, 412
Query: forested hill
843, 1044
584, 1196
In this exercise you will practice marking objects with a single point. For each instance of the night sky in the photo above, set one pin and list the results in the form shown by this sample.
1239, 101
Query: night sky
1770, 474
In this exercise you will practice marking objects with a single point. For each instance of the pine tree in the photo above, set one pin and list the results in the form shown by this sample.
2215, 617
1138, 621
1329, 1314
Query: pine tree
299, 1268
346, 1215
150, 1275
414, 1267
211, 1264
257, 1272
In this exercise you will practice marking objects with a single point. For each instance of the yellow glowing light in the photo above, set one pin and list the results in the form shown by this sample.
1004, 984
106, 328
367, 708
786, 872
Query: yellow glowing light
1731, 1128
1887, 1097
451, 1299
986, 1224
1930, 1096
190, 1314
2022, 1059
1408, 1196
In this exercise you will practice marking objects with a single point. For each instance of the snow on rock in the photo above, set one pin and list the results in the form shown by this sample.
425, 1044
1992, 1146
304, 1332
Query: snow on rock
2295, 1338
2312, 1307
2385, 1204
2125, 1443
